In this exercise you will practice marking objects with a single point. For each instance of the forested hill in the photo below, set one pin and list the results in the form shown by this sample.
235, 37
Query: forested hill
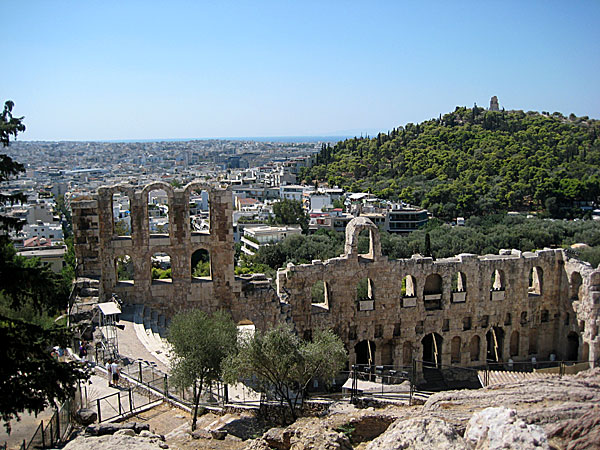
473, 161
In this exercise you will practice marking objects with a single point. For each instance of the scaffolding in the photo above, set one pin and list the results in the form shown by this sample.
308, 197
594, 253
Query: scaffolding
109, 313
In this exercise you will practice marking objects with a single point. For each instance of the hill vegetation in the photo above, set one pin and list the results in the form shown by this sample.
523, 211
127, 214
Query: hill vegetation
474, 162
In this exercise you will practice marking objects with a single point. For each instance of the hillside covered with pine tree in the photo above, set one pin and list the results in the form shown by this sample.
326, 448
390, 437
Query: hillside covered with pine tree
474, 162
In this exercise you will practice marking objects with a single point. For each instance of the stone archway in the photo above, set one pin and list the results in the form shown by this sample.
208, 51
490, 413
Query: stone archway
432, 350
572, 346
365, 353
495, 343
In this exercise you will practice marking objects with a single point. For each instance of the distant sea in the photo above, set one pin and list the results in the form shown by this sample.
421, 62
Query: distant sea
291, 139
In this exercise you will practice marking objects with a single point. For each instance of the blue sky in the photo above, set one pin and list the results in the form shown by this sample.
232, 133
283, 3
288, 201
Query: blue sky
84, 70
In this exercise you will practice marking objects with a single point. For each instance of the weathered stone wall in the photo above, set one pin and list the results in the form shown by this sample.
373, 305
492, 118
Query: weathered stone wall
462, 325
397, 324
98, 248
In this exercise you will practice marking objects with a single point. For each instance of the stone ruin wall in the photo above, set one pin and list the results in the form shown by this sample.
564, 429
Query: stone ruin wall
97, 248
397, 325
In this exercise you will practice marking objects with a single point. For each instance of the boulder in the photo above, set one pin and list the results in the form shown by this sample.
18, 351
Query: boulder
113, 442
501, 428
201, 433
86, 416
423, 433
102, 429
218, 434
278, 438
125, 432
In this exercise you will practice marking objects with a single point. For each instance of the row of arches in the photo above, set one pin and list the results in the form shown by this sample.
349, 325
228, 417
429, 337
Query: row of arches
432, 289
158, 210
160, 267
432, 346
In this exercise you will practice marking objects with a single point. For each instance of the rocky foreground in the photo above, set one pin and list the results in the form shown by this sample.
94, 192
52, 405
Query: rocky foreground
551, 413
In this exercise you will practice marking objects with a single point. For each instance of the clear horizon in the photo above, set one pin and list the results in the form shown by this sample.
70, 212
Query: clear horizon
150, 71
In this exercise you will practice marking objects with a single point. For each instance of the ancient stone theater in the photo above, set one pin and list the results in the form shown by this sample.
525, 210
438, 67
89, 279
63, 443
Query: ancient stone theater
462, 311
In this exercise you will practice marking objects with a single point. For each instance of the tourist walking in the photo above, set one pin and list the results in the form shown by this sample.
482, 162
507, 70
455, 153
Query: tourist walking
114, 368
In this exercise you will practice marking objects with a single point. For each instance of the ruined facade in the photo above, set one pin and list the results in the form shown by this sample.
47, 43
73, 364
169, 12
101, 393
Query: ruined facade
462, 310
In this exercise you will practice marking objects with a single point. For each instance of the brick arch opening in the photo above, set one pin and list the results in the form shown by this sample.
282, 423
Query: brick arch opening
160, 267
365, 294
353, 230
575, 283
455, 350
475, 348
514, 343
200, 264
536, 278
121, 214
157, 198
572, 346
365, 353
409, 286
319, 294
198, 208
459, 282
498, 280
124, 269
432, 350
494, 344
432, 292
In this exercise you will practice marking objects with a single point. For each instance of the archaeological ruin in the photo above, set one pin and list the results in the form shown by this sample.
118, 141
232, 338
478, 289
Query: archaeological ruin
462, 311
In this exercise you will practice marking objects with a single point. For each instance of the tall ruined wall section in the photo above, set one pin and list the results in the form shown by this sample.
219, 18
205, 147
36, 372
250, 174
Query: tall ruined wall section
584, 298
98, 248
525, 321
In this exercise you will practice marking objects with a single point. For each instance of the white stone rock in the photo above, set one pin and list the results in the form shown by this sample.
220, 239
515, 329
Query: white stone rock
500, 428
423, 433
112, 442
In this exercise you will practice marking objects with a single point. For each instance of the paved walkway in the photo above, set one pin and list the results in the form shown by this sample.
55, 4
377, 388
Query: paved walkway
24, 428
110, 397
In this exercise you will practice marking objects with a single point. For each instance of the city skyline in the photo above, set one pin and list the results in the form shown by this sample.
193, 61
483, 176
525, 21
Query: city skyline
151, 71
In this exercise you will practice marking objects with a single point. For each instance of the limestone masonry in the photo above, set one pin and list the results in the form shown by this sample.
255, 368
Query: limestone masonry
462, 310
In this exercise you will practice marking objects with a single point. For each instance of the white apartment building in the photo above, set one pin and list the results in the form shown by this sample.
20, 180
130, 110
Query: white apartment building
256, 237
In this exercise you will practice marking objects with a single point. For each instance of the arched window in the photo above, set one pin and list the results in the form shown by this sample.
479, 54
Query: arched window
409, 286
121, 215
514, 343
574, 285
524, 318
407, 354
474, 348
533, 341
459, 282
535, 281
432, 292
158, 212
124, 269
455, 350
200, 265
199, 208
161, 267
365, 294
498, 282
319, 294
459, 287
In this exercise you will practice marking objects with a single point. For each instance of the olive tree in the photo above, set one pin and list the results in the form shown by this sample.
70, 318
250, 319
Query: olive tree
200, 342
283, 364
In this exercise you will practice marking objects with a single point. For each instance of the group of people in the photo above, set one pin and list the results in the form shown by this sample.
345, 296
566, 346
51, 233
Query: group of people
113, 373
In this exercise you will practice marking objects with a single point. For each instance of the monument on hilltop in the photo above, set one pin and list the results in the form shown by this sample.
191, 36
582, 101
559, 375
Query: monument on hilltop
494, 104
